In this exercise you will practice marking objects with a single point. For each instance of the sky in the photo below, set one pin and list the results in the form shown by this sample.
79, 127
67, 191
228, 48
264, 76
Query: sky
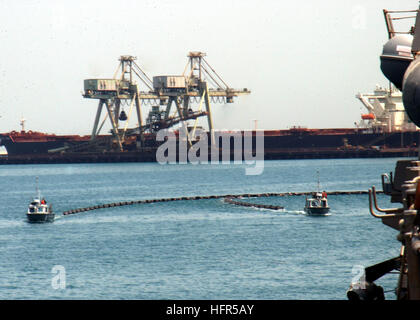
304, 61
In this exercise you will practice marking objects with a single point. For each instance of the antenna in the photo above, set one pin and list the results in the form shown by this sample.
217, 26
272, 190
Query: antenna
22, 123
255, 124
36, 188
318, 180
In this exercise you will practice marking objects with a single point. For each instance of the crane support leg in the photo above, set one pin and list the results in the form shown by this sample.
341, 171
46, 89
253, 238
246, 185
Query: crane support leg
181, 116
209, 115
114, 127
98, 115
117, 111
186, 105
139, 117
168, 108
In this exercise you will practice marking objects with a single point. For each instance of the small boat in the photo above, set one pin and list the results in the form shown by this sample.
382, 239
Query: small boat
39, 210
318, 203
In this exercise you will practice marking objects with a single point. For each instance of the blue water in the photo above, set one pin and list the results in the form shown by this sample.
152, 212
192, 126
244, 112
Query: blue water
202, 249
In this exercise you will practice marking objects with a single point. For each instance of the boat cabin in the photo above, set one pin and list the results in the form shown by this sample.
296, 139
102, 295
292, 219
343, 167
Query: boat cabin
38, 206
318, 201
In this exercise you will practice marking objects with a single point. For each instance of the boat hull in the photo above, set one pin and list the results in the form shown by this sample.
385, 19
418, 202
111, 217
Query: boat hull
317, 211
40, 217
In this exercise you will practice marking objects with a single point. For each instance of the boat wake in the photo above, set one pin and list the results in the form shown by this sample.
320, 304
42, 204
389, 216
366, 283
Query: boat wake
298, 212
269, 210
4, 223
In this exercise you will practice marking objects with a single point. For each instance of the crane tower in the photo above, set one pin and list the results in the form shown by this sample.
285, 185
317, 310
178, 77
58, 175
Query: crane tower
198, 85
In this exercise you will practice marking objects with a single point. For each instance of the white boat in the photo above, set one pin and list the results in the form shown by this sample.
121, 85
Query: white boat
39, 210
318, 203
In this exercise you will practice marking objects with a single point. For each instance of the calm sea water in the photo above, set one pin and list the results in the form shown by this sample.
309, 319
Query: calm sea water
202, 249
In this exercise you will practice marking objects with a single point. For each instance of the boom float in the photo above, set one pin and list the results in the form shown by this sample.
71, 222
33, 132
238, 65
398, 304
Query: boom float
228, 198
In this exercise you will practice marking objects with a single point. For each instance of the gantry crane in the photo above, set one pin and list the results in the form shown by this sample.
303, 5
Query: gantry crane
197, 85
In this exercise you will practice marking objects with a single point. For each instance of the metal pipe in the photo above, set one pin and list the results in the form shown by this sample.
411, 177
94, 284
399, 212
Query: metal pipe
394, 210
373, 213
400, 11
414, 180
402, 18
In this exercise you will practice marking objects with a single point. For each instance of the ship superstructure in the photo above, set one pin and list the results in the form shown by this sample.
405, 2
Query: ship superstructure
385, 111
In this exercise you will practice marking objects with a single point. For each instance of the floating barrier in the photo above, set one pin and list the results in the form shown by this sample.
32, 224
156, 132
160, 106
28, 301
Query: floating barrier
228, 198
253, 205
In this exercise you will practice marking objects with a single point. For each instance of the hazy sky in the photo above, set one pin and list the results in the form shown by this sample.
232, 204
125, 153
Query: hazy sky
303, 60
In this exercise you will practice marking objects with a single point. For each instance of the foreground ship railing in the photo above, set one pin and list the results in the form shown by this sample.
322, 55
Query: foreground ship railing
404, 189
400, 64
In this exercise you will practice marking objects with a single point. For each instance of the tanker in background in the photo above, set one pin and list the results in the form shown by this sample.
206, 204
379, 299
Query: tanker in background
385, 130
372, 137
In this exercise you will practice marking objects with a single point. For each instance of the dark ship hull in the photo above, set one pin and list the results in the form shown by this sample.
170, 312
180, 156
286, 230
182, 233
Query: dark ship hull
338, 138
28, 142
295, 143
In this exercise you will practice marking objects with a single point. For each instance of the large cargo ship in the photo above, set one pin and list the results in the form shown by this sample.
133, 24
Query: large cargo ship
385, 130
29, 142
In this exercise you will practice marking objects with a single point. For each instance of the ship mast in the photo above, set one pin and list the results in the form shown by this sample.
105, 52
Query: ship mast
22, 124
37, 189
318, 181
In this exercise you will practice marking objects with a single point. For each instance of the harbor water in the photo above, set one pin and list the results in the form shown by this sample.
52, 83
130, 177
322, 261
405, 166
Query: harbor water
199, 249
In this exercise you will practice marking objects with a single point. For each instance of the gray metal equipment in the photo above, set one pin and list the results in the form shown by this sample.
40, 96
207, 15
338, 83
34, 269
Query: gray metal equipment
396, 57
405, 187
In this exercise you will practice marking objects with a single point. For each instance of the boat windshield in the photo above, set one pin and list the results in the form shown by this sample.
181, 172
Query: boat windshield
314, 203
